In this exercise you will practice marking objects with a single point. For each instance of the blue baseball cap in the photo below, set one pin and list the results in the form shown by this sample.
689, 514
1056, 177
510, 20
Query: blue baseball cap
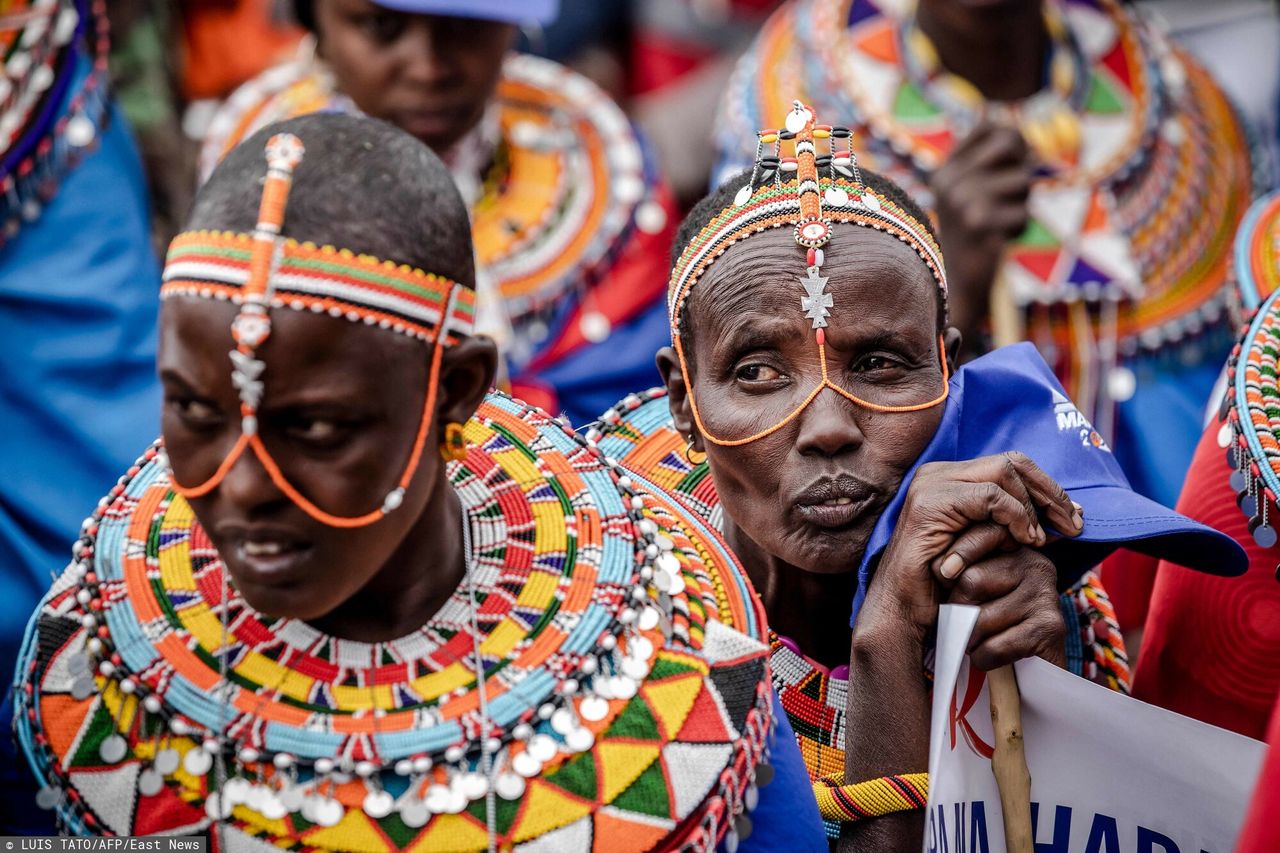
1010, 400
510, 11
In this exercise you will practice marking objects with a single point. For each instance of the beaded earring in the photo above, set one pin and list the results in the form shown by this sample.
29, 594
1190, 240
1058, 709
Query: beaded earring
454, 448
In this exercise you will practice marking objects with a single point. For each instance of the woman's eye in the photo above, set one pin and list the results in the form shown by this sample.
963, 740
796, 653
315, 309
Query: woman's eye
756, 373
318, 431
195, 412
383, 28
875, 363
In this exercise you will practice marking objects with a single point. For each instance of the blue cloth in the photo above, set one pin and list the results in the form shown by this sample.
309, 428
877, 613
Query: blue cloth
786, 820
1008, 400
1158, 428
78, 393
590, 379
516, 12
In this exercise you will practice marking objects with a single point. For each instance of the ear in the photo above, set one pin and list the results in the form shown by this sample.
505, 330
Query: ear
678, 395
467, 371
951, 340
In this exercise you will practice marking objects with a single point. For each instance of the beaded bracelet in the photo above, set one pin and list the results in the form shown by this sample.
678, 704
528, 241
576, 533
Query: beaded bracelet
873, 798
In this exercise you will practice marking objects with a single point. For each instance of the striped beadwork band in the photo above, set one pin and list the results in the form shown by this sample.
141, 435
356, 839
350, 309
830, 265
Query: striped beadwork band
323, 279
776, 204
873, 798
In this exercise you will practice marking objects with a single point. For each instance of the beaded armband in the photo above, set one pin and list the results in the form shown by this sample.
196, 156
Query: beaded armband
873, 798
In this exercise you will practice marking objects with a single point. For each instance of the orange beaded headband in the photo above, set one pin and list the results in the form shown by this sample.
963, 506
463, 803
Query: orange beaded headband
812, 209
264, 270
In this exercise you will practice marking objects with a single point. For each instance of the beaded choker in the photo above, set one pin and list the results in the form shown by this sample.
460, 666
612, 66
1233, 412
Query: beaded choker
812, 209
264, 271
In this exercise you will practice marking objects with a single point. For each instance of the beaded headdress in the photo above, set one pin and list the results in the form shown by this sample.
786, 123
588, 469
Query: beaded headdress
266, 271
827, 188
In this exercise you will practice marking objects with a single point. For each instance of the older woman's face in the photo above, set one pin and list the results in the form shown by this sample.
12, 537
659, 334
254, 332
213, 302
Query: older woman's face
340, 439
429, 75
810, 492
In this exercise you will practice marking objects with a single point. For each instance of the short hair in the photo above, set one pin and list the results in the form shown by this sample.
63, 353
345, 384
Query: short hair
723, 197
363, 185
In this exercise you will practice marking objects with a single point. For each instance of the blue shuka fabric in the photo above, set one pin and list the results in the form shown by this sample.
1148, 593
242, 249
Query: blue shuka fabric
786, 820
79, 399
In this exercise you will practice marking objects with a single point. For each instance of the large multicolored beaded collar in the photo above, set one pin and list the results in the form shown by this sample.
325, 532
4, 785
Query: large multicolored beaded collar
53, 99
609, 647
1250, 421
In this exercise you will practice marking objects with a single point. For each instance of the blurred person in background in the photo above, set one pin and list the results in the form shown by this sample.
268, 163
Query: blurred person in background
570, 219
1086, 174
78, 286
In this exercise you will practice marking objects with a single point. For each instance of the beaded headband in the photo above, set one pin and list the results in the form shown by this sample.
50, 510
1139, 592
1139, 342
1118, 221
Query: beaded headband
769, 202
264, 270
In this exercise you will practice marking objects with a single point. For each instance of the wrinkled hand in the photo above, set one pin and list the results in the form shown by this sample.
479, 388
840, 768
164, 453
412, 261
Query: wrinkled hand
957, 513
981, 200
1017, 596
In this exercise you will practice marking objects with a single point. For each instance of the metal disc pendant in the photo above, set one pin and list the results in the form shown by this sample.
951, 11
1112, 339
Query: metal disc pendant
648, 619
270, 806
217, 807
378, 804
580, 739
473, 786
1224, 435
292, 798
48, 797
836, 197
1265, 536
562, 721
328, 811
634, 669
150, 782
526, 765
543, 748
624, 687
764, 775
743, 196
640, 648
78, 663
677, 585
437, 801
751, 797
509, 786
236, 790
456, 802
113, 749
82, 688
166, 761
414, 813
197, 762
1237, 481
1248, 504
742, 825
593, 709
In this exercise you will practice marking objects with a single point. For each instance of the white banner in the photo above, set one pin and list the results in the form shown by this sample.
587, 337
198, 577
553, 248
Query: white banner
1109, 774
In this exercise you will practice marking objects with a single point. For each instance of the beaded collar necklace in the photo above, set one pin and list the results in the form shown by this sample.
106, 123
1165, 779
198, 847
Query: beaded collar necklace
53, 100
600, 627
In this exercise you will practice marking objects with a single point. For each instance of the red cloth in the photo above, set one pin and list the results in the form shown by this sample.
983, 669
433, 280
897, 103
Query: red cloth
1261, 832
1129, 577
230, 42
1211, 649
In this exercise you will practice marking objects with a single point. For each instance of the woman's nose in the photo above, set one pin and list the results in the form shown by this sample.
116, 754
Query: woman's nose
828, 426
247, 485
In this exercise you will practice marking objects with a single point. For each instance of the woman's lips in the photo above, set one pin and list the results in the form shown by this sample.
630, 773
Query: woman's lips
270, 561
834, 503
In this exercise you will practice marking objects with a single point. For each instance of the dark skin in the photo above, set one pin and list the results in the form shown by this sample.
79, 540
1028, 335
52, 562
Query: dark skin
968, 530
342, 440
981, 190
430, 75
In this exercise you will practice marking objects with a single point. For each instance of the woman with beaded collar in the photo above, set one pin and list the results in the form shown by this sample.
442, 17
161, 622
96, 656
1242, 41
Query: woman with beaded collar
295, 621
570, 219
825, 497
1078, 162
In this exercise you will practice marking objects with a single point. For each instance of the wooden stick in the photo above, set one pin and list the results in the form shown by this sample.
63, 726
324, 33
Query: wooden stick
1009, 763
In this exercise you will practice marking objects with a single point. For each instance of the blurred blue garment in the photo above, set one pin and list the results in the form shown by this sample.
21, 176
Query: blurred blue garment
79, 400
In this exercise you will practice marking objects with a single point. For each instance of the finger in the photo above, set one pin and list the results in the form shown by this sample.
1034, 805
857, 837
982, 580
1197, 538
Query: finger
988, 501
1050, 497
1010, 219
1007, 184
1039, 636
970, 547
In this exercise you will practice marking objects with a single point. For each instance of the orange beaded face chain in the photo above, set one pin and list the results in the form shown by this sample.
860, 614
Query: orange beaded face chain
812, 208
266, 271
